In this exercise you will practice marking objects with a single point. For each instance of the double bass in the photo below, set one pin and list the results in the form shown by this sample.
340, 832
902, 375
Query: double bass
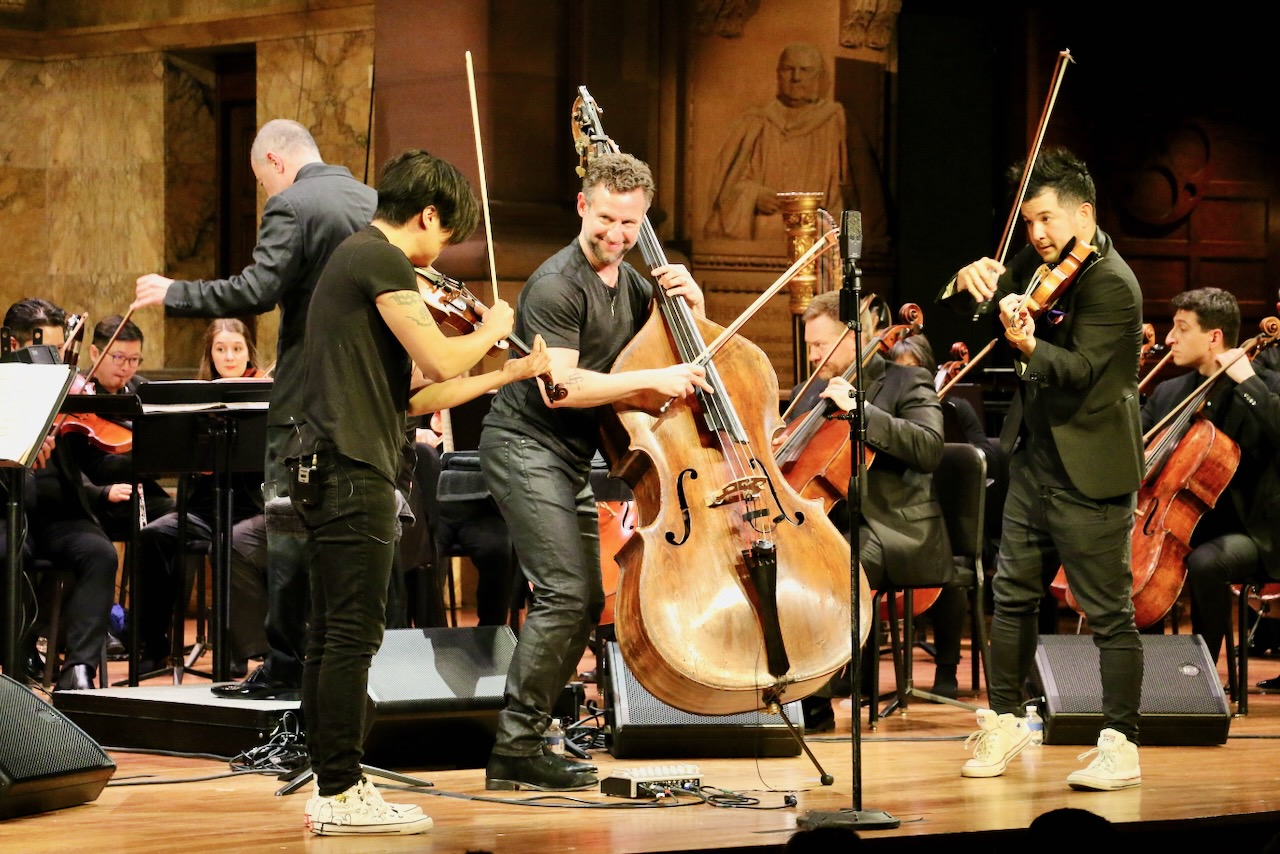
728, 566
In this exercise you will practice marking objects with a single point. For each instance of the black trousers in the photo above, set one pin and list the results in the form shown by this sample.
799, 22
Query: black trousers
81, 546
1046, 527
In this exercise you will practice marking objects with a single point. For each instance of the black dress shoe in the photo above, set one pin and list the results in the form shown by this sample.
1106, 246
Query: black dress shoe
76, 677
540, 773
571, 763
1272, 684
116, 650
257, 686
33, 665
819, 716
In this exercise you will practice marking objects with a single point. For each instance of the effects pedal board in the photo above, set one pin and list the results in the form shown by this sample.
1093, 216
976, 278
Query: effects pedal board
651, 781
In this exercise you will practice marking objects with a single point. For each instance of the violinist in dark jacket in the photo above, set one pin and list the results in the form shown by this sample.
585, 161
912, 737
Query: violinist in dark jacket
117, 373
1075, 448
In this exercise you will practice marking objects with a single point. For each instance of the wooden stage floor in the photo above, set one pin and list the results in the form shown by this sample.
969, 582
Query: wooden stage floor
910, 768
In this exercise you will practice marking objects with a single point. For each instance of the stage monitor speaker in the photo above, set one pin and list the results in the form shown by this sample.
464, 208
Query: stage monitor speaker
1182, 699
435, 695
644, 726
46, 761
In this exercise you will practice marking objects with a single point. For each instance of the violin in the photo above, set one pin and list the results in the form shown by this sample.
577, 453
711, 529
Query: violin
102, 433
108, 436
455, 307
1049, 283
727, 565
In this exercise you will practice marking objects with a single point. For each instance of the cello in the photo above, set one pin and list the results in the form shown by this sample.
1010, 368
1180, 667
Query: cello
1188, 464
728, 566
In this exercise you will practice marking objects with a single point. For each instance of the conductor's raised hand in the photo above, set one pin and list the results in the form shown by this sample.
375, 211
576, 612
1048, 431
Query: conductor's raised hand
979, 278
150, 289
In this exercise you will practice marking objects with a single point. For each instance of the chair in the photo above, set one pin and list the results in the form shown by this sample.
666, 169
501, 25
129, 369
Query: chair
1238, 647
960, 484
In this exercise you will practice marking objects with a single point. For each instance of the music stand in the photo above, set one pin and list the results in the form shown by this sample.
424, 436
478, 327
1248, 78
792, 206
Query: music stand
41, 388
195, 426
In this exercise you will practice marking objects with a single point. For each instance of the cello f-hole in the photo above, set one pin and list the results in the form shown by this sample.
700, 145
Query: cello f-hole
684, 508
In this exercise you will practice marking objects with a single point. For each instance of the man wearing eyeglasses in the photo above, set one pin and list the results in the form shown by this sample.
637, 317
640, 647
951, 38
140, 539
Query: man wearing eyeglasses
118, 374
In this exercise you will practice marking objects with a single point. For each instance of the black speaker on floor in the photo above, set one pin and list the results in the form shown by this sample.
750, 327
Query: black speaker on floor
644, 726
46, 761
1182, 699
435, 695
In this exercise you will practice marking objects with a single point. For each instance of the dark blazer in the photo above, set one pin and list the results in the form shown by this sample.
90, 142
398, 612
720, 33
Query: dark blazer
1086, 367
1249, 414
301, 226
904, 426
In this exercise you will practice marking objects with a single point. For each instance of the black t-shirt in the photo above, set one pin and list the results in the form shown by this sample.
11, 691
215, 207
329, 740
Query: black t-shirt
356, 390
566, 303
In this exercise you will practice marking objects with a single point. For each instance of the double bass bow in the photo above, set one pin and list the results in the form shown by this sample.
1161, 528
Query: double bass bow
727, 565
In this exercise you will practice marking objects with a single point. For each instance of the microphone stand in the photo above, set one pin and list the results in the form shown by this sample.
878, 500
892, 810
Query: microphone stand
851, 314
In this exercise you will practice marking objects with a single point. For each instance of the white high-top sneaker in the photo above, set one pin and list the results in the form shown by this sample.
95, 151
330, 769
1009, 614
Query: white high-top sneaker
360, 809
403, 809
997, 740
1114, 767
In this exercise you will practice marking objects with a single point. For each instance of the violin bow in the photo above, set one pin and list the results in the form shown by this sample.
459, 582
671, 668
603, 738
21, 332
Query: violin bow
1059, 72
484, 186
973, 360
106, 348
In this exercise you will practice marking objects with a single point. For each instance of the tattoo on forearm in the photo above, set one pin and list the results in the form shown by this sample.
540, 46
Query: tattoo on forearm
575, 379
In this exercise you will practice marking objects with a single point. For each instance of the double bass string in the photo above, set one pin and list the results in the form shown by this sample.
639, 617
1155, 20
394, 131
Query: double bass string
721, 417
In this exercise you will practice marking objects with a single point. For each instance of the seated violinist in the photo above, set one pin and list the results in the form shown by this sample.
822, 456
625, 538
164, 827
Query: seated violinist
63, 527
903, 538
1238, 540
228, 353
117, 373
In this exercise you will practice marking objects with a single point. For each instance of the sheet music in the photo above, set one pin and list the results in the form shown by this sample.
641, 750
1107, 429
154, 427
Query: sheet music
199, 395
32, 395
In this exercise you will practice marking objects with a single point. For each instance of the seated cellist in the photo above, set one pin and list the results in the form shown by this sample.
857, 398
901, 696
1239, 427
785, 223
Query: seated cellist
1239, 539
903, 537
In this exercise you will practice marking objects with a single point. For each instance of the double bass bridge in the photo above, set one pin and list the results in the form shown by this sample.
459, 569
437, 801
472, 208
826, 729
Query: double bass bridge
739, 489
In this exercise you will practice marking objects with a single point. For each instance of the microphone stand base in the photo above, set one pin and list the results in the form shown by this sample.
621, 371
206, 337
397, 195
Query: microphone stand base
851, 819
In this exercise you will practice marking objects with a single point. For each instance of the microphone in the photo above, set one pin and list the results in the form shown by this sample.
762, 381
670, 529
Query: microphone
851, 236
851, 249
